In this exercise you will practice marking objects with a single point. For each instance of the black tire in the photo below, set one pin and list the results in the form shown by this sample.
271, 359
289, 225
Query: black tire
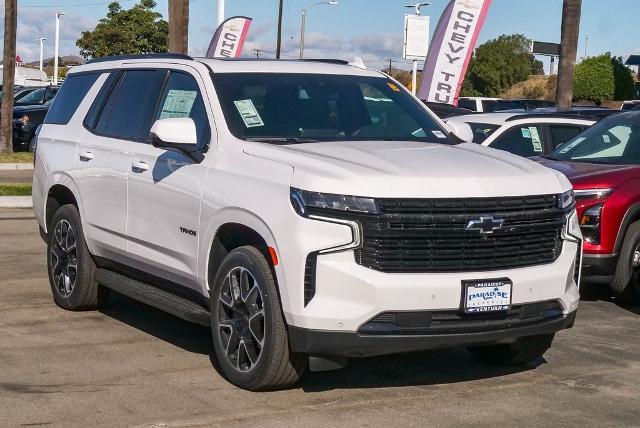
525, 350
626, 280
275, 367
32, 144
80, 292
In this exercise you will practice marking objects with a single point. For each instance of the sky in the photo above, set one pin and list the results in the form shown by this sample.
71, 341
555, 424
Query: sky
370, 29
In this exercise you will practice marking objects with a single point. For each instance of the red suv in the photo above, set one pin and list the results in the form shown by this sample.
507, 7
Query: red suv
603, 163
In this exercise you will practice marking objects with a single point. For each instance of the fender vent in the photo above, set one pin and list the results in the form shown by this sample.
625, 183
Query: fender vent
310, 278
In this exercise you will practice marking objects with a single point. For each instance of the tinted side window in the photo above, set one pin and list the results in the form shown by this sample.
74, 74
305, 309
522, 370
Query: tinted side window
468, 104
182, 98
98, 103
130, 108
560, 134
520, 140
69, 97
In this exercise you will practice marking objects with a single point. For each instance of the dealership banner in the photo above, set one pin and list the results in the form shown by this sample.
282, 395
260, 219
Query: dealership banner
451, 48
229, 37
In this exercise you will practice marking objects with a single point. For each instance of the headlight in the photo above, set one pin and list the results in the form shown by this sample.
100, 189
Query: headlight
592, 193
590, 224
304, 201
566, 199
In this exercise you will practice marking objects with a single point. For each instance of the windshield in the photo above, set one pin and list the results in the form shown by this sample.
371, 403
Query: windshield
298, 108
613, 141
34, 97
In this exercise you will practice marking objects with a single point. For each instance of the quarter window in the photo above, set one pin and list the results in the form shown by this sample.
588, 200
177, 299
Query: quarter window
68, 99
523, 140
560, 134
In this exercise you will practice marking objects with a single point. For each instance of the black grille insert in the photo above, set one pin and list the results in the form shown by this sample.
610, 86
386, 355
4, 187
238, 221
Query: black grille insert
310, 278
429, 235
454, 321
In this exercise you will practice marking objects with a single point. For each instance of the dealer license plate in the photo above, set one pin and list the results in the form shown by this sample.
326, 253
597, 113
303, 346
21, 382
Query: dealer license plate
487, 295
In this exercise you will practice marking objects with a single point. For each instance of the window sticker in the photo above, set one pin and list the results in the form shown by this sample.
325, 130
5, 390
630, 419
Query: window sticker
535, 139
249, 114
178, 104
606, 138
573, 144
439, 134
526, 133
393, 87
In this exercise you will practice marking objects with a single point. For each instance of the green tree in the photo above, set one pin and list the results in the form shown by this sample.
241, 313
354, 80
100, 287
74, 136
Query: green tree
623, 80
594, 79
498, 64
137, 30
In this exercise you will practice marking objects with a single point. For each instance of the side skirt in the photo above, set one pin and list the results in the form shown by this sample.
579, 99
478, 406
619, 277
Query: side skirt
154, 296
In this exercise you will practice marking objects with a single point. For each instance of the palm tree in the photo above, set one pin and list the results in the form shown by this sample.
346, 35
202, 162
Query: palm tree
568, 51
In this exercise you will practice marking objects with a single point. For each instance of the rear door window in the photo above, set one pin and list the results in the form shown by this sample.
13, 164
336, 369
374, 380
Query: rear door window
69, 97
129, 110
522, 140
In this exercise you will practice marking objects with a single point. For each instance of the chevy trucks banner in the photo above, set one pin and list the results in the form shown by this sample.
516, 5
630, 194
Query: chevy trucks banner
228, 39
451, 48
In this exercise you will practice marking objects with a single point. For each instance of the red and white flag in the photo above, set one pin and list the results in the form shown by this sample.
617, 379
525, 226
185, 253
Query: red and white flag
228, 39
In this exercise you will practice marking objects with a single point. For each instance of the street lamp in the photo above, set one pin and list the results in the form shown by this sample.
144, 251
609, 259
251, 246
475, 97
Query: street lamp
42, 39
304, 18
56, 47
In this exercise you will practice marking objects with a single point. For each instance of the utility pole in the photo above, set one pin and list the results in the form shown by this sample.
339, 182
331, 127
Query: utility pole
8, 75
179, 26
279, 39
390, 66
220, 12
56, 47
42, 39
571, 10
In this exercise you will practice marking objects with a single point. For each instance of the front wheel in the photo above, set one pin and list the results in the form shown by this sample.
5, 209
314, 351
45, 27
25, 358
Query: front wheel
525, 350
626, 280
249, 333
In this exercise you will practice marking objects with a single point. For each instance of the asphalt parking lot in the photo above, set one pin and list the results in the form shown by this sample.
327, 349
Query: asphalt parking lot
130, 364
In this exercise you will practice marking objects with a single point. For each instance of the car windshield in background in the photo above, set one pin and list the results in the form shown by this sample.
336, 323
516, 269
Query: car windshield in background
35, 97
500, 105
612, 141
482, 131
299, 108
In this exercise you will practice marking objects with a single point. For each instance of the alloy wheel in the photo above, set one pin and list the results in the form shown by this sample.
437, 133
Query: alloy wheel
64, 258
241, 319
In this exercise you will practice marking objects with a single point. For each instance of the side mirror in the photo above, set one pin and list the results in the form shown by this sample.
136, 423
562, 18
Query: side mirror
177, 134
461, 130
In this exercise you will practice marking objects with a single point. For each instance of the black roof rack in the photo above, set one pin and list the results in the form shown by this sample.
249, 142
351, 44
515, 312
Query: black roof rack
140, 56
554, 115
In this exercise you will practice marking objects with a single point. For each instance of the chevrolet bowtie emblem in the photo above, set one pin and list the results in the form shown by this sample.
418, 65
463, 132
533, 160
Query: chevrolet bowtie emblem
485, 225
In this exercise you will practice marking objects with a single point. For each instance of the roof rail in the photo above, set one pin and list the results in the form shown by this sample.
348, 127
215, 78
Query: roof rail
543, 115
327, 60
140, 56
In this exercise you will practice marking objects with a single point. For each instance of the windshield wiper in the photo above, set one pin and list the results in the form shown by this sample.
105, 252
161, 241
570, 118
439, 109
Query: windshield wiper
281, 140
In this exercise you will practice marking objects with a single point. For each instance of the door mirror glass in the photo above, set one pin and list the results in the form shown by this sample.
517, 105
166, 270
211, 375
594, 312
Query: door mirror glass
178, 134
461, 130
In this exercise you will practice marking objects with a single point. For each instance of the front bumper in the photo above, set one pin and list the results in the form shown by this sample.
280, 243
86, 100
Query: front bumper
348, 344
599, 264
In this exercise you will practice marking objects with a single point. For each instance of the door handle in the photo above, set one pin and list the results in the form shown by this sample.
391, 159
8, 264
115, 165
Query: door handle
139, 166
86, 156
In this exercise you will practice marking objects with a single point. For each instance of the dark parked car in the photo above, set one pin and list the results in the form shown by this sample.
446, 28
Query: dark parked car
444, 111
26, 120
597, 112
38, 96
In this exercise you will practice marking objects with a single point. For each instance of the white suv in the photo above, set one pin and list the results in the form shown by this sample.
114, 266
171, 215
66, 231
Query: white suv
308, 211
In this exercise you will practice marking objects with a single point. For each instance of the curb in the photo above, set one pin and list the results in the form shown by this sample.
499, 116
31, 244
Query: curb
16, 202
15, 166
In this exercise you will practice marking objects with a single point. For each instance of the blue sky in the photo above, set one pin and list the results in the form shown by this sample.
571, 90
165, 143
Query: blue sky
371, 29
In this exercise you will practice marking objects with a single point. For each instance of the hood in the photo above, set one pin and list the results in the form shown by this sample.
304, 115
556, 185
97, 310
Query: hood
585, 175
411, 169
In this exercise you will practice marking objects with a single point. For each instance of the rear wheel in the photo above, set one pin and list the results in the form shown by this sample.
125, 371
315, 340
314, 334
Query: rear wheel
71, 268
525, 350
32, 144
626, 280
249, 333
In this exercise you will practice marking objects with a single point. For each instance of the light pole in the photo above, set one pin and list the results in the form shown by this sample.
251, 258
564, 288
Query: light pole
220, 11
304, 18
42, 39
414, 70
56, 47
586, 43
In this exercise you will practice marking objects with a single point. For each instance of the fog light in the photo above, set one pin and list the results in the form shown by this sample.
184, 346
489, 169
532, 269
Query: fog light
590, 224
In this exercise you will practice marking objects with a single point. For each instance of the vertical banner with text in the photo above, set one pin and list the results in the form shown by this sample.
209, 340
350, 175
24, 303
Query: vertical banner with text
451, 48
228, 39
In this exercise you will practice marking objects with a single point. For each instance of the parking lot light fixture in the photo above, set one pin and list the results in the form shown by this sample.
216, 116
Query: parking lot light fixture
304, 18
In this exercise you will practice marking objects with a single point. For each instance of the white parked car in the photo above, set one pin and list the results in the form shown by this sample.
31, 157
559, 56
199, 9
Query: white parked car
524, 134
305, 222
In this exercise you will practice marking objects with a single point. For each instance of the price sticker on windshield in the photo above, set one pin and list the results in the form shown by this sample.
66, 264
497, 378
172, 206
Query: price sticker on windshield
248, 113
